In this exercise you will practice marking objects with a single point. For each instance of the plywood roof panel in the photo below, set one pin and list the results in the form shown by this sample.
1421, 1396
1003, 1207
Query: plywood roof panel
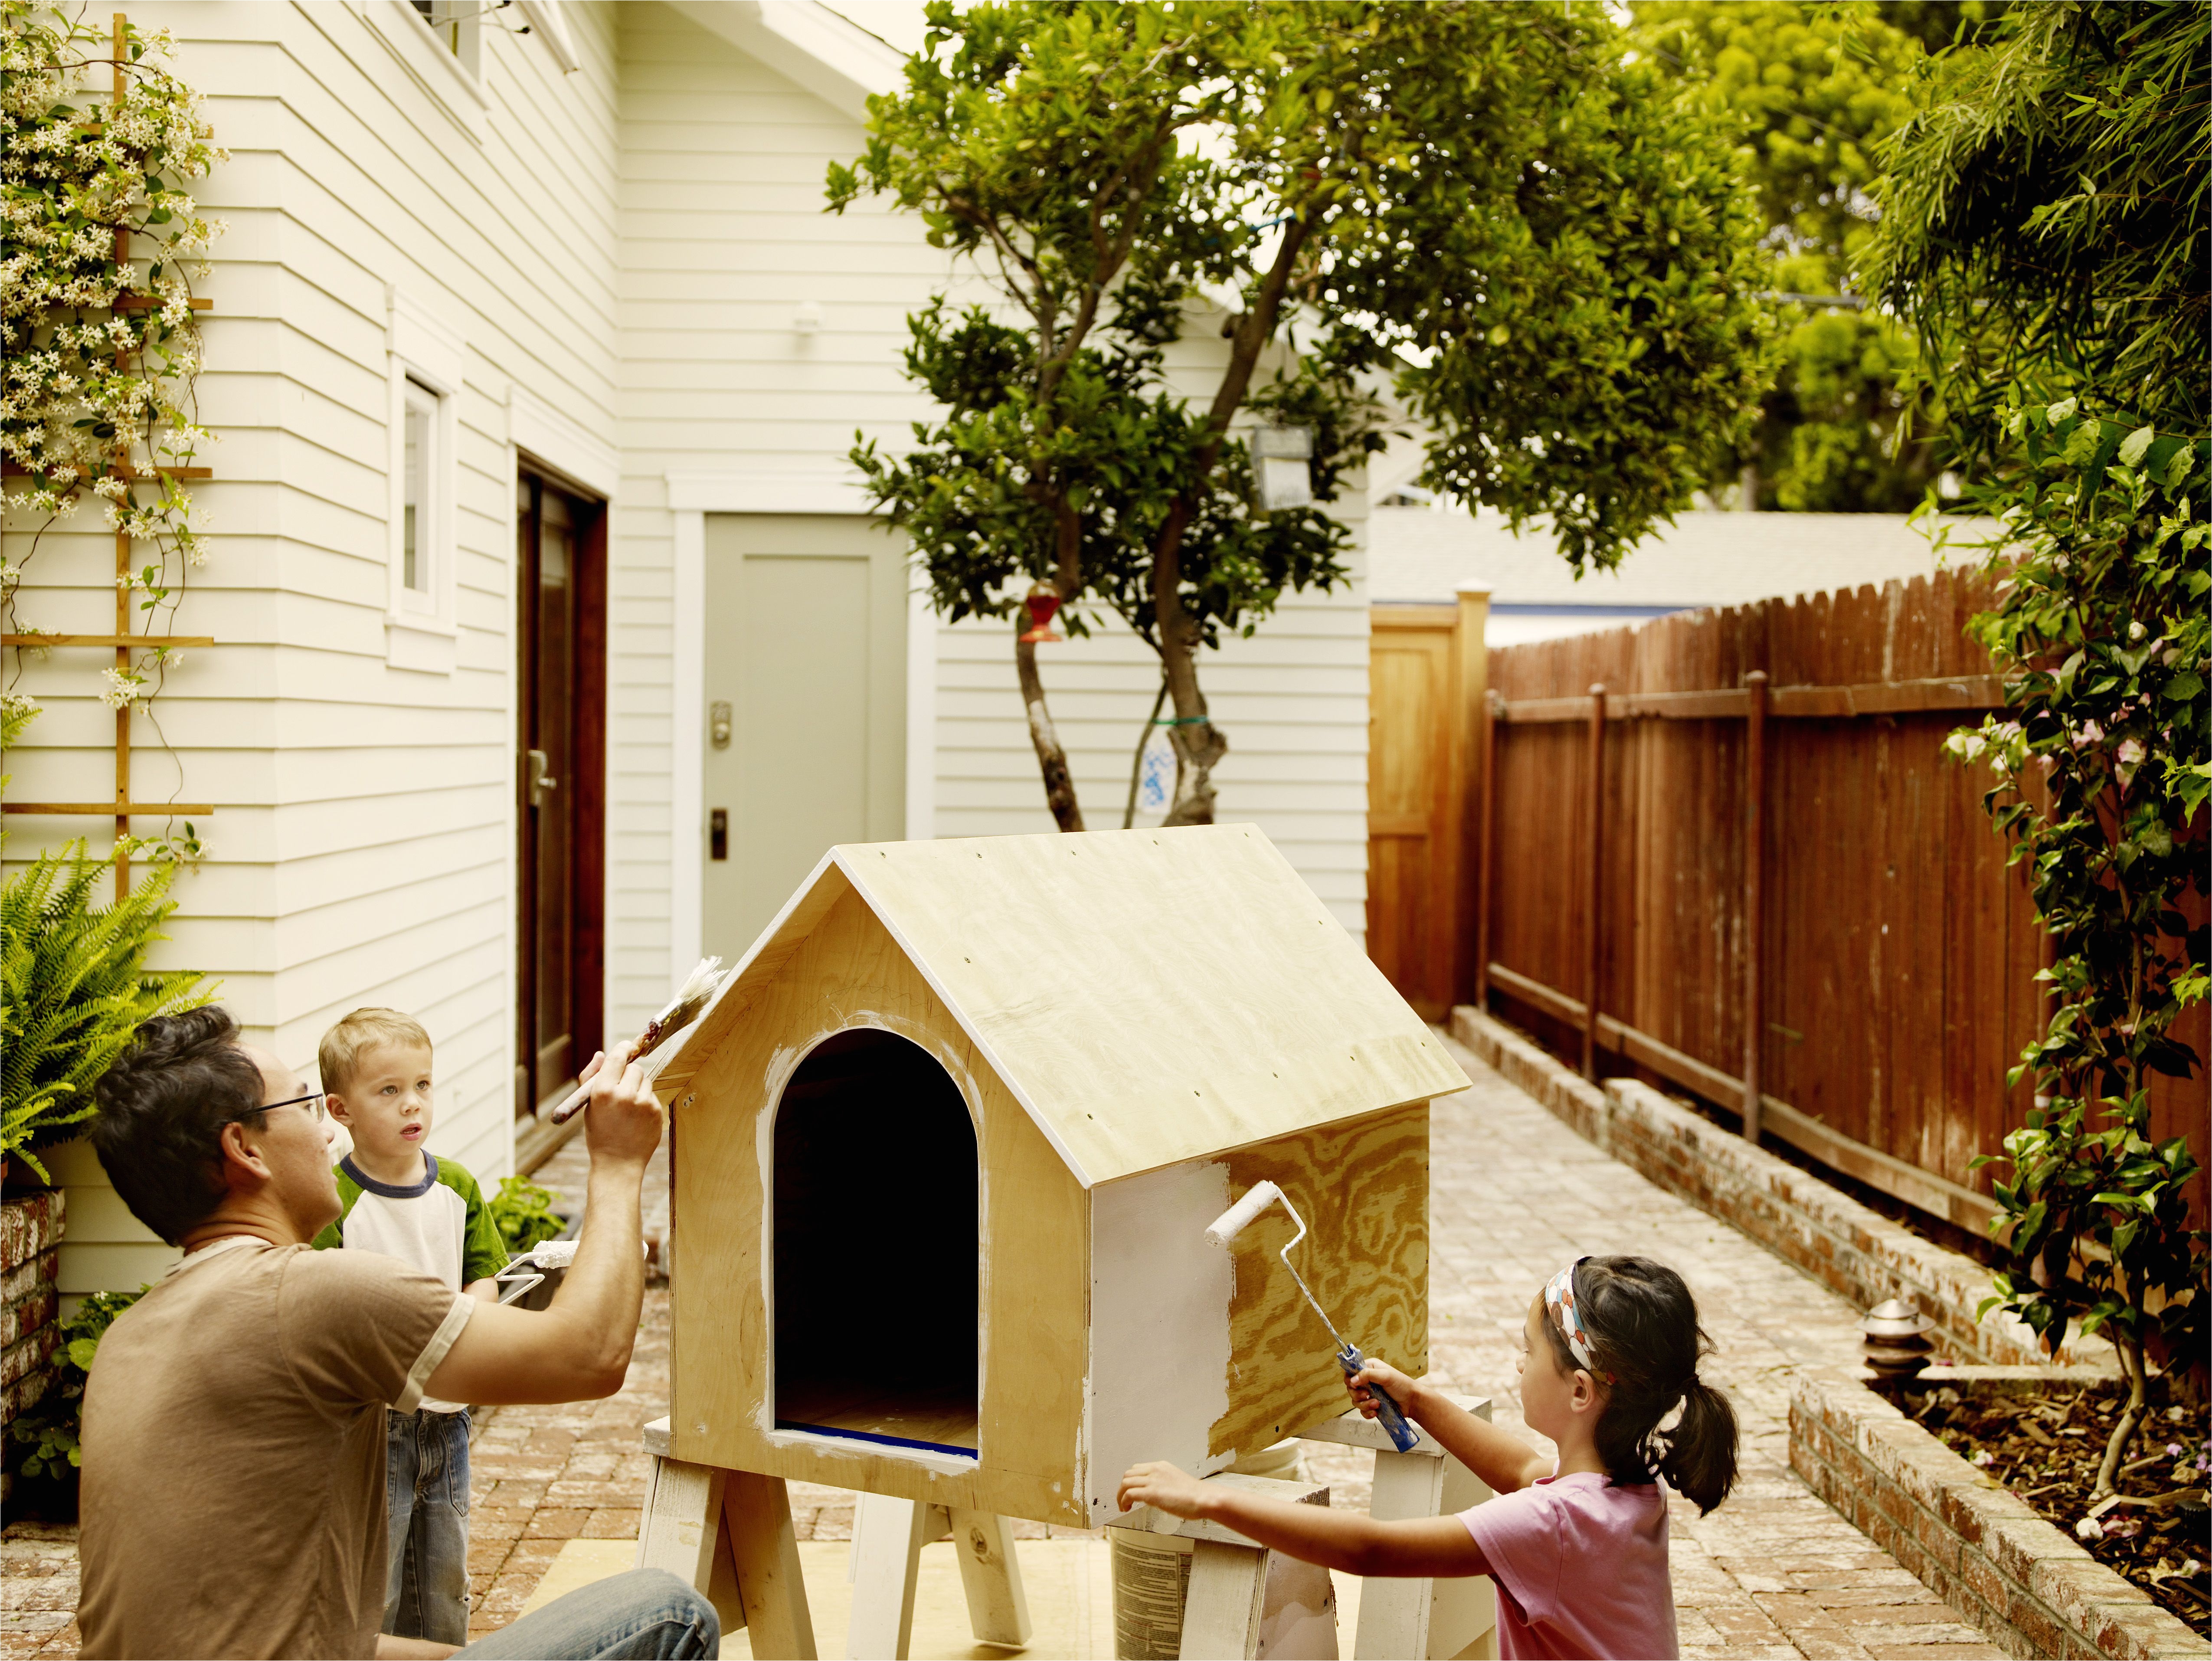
1149, 996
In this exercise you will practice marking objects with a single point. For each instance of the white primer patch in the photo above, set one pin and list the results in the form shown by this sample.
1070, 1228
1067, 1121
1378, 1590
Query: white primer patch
1159, 1325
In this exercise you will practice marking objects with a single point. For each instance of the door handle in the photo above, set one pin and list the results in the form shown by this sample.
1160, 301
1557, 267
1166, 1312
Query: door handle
539, 783
718, 834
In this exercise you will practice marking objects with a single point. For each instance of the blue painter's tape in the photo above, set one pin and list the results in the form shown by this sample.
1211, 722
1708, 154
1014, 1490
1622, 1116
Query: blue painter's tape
870, 1436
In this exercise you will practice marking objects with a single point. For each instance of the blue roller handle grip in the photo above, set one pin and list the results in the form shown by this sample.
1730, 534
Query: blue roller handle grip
1403, 1436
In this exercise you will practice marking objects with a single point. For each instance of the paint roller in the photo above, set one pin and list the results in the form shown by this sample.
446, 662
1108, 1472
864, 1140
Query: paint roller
1231, 1223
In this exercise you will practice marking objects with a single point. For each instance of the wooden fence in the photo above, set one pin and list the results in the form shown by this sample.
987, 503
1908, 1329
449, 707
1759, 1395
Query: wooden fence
1732, 836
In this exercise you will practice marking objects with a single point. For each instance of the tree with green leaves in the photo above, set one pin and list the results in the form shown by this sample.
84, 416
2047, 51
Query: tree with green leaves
1484, 207
2044, 233
1813, 88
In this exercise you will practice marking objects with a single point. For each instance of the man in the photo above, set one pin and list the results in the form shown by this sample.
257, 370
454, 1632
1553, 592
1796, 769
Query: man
233, 1500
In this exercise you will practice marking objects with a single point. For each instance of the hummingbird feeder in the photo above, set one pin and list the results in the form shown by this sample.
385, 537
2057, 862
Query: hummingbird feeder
1042, 603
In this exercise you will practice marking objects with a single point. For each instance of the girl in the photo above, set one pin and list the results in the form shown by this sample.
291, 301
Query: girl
1578, 1546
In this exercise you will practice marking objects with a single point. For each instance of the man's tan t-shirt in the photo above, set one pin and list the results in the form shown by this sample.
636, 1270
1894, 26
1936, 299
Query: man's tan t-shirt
233, 1502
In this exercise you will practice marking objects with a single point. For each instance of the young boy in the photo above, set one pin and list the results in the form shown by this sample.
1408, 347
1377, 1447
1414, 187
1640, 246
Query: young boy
406, 1202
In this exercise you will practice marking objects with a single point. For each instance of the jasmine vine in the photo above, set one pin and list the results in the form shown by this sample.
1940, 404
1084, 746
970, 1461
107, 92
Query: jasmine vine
102, 354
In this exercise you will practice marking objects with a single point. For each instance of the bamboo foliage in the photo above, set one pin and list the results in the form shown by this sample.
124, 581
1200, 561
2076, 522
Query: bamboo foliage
73, 990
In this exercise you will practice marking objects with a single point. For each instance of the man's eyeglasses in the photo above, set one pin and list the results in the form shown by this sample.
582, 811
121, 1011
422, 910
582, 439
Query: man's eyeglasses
317, 1096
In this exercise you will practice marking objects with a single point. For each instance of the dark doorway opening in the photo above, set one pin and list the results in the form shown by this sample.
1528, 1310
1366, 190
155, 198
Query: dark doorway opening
876, 1244
561, 563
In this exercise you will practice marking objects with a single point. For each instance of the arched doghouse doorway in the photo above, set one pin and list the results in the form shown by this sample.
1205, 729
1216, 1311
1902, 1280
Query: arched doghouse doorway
876, 1247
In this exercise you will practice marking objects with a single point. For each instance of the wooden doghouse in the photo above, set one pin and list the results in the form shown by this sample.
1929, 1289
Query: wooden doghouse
947, 1141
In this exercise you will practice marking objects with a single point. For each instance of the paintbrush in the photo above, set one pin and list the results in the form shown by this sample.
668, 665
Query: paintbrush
691, 998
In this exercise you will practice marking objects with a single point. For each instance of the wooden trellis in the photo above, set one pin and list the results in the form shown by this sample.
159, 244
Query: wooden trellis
121, 641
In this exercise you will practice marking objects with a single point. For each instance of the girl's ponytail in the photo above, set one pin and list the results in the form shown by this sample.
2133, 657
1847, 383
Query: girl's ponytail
1700, 1461
1641, 1320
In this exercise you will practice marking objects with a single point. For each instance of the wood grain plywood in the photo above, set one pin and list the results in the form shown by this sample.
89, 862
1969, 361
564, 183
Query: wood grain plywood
1153, 996
1362, 1189
846, 971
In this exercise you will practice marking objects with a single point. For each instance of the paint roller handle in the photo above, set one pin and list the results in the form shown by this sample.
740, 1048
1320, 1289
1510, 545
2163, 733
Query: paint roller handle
1387, 1414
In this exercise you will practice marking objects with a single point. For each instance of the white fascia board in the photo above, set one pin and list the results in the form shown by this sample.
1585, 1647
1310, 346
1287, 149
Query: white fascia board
829, 55
756, 492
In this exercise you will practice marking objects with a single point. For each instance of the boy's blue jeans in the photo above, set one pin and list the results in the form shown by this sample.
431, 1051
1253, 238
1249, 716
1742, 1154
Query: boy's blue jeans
427, 1522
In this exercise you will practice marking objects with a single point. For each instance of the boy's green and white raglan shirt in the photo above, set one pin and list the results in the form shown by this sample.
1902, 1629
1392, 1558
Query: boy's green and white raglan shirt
440, 1226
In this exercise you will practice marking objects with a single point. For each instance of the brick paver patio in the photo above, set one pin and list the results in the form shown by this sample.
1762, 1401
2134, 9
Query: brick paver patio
1774, 1572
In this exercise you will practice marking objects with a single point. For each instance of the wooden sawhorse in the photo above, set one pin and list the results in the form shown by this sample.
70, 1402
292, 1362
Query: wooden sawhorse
1422, 1619
729, 1533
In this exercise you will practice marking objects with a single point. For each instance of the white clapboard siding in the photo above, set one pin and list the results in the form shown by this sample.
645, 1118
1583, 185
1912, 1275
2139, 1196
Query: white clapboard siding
627, 246
360, 848
1291, 700
723, 237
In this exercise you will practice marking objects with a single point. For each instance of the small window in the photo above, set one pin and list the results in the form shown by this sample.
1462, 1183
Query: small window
419, 516
456, 24
428, 366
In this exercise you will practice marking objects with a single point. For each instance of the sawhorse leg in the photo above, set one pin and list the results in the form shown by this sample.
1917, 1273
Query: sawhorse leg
1428, 1619
888, 1536
728, 1534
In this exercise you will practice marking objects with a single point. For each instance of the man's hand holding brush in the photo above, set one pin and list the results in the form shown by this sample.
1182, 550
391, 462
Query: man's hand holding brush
578, 1348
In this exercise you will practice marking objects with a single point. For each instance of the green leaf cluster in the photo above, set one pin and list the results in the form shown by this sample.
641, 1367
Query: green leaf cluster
74, 987
2043, 220
524, 1213
2044, 229
1480, 207
2102, 767
1812, 91
47, 1431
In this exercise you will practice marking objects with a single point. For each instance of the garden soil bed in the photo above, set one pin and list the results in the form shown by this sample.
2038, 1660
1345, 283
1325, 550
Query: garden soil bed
2046, 1445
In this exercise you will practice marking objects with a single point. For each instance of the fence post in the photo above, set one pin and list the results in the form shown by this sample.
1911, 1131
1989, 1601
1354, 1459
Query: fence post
1594, 888
1754, 896
1471, 764
1486, 850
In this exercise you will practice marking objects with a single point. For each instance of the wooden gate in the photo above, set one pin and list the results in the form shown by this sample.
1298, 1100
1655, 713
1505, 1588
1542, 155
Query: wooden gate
1425, 683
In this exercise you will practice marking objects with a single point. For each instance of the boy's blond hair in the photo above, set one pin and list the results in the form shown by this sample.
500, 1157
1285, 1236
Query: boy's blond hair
364, 1029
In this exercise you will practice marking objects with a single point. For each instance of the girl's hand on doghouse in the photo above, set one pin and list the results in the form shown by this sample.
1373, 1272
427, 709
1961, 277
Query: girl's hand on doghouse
1162, 1486
1402, 1389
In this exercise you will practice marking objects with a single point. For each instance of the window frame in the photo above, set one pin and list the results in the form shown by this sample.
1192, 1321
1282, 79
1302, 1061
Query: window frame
426, 362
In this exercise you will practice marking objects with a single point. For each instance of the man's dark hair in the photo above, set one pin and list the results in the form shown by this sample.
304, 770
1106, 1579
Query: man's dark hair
162, 1107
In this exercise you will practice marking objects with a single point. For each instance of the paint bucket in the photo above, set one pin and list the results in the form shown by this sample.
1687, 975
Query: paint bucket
1152, 1581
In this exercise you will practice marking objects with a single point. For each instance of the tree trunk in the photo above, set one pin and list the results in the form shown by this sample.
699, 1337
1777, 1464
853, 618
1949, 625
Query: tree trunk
1052, 759
1198, 744
2131, 1418
1136, 762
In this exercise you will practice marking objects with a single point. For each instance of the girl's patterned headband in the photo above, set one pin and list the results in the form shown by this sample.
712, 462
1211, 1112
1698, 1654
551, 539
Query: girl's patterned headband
1559, 1305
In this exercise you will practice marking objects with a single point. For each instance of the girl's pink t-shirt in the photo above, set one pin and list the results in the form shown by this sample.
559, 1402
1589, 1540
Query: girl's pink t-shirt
1581, 1567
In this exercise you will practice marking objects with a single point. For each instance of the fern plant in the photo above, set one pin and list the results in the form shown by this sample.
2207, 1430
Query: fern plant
74, 987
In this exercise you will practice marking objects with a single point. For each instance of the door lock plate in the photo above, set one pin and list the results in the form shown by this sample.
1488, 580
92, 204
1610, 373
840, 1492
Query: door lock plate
718, 725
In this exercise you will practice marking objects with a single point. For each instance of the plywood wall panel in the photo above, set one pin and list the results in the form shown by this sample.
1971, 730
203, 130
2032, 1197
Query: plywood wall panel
1034, 1235
1362, 1189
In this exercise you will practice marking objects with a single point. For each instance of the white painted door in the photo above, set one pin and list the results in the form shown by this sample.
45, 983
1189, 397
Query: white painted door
805, 690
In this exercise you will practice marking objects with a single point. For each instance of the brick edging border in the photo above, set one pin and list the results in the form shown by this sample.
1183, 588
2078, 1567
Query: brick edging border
1854, 1251
1966, 1538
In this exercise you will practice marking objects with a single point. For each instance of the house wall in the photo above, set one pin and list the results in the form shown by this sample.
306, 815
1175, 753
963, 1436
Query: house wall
724, 237
619, 253
362, 845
